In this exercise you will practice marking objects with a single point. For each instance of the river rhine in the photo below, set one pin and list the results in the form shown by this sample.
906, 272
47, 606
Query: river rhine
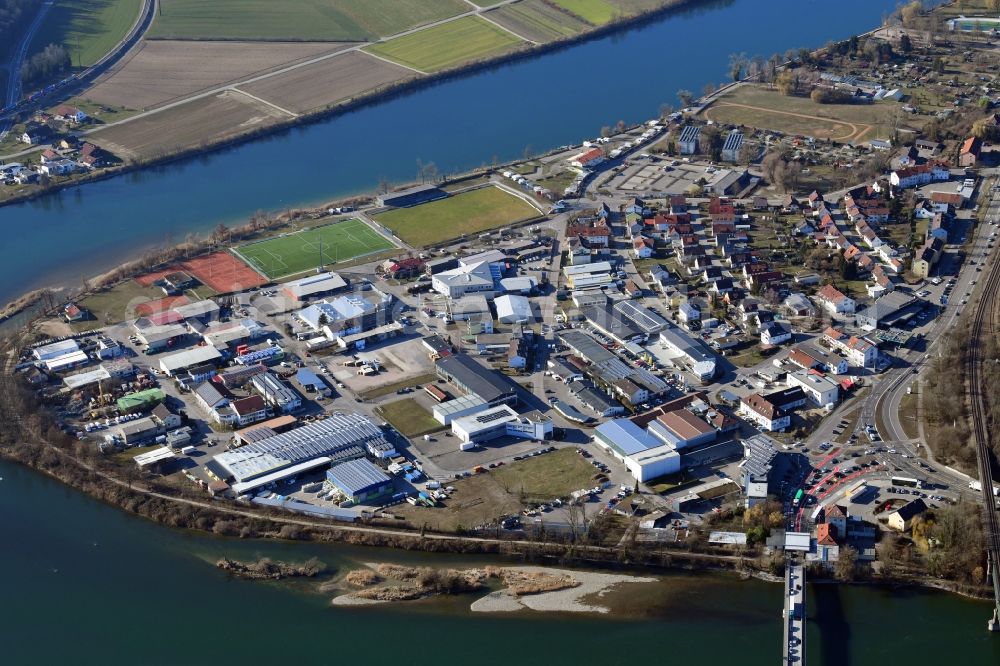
84, 583
559, 98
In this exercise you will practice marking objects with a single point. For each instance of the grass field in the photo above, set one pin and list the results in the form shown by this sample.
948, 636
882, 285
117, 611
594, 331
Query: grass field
409, 418
301, 251
538, 20
465, 213
547, 476
117, 303
597, 12
88, 28
767, 109
316, 20
431, 50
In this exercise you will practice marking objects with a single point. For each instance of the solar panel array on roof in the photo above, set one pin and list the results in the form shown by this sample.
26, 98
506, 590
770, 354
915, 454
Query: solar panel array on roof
644, 318
331, 437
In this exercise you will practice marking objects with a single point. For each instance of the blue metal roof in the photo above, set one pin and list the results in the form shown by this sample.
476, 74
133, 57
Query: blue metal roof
627, 437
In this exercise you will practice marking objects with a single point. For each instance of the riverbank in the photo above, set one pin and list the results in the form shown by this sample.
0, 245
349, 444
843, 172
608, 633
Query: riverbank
378, 95
87, 472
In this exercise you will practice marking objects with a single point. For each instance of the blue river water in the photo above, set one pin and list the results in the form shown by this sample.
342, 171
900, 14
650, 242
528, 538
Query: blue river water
541, 103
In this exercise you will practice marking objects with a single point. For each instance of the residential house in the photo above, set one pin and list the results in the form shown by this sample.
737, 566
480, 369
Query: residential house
861, 352
797, 305
765, 414
968, 155
834, 301
901, 519
916, 176
810, 358
70, 114
775, 334
594, 234
643, 247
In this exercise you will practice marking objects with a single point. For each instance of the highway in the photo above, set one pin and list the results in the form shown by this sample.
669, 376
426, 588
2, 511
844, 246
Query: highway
84, 78
16, 62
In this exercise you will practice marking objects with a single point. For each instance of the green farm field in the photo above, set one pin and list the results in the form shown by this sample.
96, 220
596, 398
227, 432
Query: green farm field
314, 20
597, 12
447, 45
89, 29
466, 213
300, 252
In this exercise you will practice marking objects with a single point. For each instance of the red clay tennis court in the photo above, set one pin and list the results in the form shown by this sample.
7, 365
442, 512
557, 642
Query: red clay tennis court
219, 271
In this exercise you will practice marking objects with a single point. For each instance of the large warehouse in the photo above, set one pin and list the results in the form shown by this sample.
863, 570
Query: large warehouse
336, 438
359, 480
470, 376
645, 456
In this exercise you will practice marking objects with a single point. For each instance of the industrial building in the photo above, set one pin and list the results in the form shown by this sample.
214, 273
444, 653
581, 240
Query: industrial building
446, 412
313, 286
339, 437
472, 377
469, 278
512, 309
645, 456
276, 393
502, 421
62, 355
189, 358
700, 361
359, 480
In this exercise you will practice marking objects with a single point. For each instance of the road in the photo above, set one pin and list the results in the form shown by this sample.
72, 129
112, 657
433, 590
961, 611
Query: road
83, 79
148, 16
17, 61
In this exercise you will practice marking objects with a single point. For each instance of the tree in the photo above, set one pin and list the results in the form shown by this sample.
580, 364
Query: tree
708, 90
711, 142
737, 65
685, 96
787, 82
905, 45
844, 570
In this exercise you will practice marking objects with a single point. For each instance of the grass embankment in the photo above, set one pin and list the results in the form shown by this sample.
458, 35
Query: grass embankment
448, 45
89, 29
409, 418
465, 213
308, 20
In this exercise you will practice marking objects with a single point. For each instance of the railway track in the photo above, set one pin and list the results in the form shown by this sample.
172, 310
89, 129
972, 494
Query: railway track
985, 324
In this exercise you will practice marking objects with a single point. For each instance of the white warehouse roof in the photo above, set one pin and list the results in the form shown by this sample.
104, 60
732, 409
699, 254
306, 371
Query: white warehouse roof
513, 309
